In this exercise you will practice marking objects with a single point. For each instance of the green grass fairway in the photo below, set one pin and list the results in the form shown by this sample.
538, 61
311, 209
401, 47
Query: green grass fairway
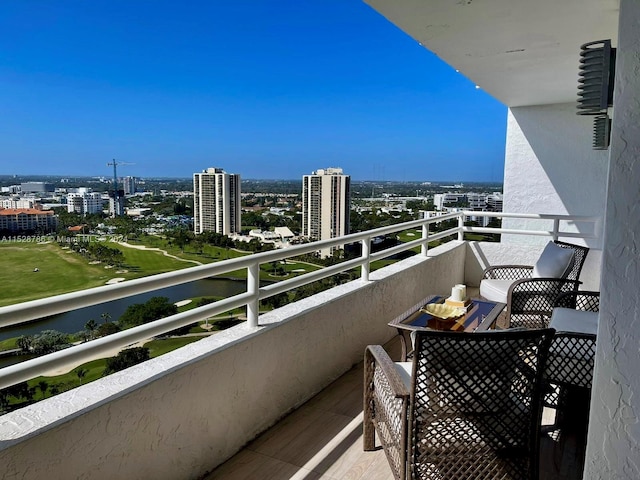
94, 369
208, 253
164, 345
59, 271
62, 270
147, 262
8, 344
409, 235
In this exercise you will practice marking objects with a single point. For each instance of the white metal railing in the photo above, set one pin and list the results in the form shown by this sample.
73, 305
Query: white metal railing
555, 232
27, 311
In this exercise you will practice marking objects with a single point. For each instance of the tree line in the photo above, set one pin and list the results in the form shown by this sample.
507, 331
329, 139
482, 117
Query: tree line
50, 341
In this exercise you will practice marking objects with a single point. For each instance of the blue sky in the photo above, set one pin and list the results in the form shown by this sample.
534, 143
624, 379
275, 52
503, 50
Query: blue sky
267, 89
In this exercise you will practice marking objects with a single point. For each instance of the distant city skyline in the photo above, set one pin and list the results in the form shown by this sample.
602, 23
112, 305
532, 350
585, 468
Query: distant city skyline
268, 90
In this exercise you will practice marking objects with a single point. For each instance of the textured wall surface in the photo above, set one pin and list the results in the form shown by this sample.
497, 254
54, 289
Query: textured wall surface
551, 168
181, 414
613, 449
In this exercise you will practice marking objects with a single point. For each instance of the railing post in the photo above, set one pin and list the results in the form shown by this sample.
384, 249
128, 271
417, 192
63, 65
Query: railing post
556, 228
425, 237
366, 252
461, 226
597, 230
253, 287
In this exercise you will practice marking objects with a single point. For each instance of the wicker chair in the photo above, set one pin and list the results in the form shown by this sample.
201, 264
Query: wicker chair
467, 407
530, 298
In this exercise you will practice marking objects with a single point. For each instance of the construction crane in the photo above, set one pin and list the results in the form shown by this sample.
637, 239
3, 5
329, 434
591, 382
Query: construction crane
115, 182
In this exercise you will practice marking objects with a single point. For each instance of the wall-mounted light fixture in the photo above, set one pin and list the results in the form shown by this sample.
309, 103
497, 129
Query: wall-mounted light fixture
595, 87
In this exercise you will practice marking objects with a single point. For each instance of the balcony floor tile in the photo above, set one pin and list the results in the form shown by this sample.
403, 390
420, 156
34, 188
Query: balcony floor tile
323, 440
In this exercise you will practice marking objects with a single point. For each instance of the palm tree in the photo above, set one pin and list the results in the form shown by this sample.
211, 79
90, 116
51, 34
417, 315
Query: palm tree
90, 327
81, 372
43, 386
106, 317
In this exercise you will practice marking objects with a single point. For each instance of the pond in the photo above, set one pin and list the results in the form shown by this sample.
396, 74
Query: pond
74, 321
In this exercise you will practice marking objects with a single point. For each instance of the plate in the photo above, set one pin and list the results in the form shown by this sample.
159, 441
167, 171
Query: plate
446, 312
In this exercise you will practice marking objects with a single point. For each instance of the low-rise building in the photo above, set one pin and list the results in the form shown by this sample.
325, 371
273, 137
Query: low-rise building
284, 233
11, 189
36, 187
17, 202
27, 220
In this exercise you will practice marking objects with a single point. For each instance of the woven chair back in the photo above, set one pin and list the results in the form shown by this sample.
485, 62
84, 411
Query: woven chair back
579, 256
476, 404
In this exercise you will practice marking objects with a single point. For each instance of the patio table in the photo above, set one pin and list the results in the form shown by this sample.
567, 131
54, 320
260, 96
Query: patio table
480, 316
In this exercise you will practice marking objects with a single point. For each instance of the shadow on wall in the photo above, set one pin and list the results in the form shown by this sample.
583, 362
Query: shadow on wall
550, 165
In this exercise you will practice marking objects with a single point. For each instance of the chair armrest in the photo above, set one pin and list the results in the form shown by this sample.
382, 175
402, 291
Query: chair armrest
536, 296
377, 357
541, 283
585, 300
571, 359
508, 272
385, 409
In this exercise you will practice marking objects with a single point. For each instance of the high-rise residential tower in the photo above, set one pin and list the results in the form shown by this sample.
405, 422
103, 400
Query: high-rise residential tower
216, 201
84, 201
326, 200
129, 185
116, 203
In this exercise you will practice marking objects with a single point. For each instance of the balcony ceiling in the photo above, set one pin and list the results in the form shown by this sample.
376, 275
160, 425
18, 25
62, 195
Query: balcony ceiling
522, 52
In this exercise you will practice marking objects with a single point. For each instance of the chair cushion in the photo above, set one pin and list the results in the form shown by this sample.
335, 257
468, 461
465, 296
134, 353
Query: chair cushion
495, 290
570, 320
405, 369
554, 262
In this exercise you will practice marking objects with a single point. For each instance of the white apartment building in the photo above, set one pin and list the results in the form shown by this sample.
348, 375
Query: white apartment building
440, 199
216, 202
494, 202
84, 201
326, 199
18, 203
11, 189
477, 201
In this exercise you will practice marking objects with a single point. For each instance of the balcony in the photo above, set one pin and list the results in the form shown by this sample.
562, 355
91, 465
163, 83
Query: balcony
185, 413
323, 439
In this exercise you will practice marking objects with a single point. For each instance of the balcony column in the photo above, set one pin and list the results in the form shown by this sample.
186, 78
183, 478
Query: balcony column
613, 446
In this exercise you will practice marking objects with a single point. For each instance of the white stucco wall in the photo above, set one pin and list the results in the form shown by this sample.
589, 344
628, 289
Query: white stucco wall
613, 448
481, 255
181, 414
551, 168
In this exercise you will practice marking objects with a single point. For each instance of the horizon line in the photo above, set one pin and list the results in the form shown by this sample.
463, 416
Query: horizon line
247, 179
